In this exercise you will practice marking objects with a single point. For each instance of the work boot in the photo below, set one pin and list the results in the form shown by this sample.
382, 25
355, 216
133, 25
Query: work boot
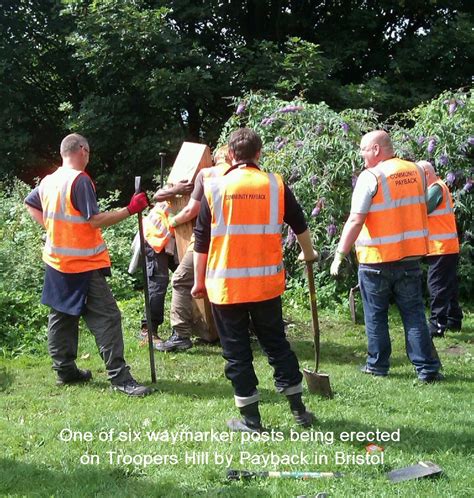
437, 331
76, 378
302, 416
250, 422
143, 336
174, 343
438, 376
132, 388
454, 325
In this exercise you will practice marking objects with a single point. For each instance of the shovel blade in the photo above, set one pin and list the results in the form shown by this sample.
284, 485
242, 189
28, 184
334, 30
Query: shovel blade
318, 383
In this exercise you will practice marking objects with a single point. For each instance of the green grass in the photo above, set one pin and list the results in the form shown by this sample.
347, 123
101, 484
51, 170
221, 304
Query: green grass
435, 421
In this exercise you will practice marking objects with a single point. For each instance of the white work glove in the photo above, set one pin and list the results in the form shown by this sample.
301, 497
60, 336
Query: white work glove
336, 264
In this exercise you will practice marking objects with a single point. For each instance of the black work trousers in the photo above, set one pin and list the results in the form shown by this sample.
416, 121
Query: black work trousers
158, 265
232, 322
444, 293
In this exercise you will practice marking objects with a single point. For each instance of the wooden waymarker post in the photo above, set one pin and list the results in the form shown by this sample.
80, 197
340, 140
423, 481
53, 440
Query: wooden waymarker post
191, 158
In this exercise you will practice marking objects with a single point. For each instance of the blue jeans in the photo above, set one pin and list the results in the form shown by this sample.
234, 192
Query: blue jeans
401, 281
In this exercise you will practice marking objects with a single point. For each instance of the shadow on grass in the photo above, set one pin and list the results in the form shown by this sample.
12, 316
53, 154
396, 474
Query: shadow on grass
24, 479
6, 379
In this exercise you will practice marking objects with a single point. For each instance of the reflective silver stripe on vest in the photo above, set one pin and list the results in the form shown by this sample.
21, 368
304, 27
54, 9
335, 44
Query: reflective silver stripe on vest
446, 210
248, 230
51, 215
388, 202
443, 236
255, 271
158, 223
449, 207
392, 239
221, 229
67, 251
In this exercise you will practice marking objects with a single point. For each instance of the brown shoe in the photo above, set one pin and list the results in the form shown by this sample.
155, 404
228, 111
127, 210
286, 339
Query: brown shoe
144, 338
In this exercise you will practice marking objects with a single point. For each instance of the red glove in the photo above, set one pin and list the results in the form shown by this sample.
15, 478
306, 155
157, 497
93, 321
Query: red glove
137, 203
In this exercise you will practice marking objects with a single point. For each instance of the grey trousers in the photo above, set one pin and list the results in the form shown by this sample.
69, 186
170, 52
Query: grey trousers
185, 317
103, 319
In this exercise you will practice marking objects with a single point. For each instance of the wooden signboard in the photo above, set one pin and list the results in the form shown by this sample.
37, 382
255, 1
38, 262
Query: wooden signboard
191, 159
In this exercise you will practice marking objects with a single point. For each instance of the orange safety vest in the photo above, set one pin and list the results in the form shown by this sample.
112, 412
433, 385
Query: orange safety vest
72, 245
156, 226
396, 226
443, 236
212, 172
245, 260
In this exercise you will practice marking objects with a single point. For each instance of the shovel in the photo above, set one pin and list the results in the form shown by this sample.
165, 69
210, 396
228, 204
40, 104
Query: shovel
145, 280
352, 306
318, 383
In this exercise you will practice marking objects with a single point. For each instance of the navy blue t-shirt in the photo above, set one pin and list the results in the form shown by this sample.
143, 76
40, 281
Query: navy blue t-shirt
67, 292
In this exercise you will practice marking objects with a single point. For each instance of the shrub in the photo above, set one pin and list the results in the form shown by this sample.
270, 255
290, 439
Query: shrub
316, 150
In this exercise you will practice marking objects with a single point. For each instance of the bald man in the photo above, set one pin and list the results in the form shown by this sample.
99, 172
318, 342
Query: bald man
442, 258
388, 224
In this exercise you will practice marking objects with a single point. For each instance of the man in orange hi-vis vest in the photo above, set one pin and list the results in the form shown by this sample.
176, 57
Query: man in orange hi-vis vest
77, 262
442, 257
161, 256
389, 225
183, 322
238, 261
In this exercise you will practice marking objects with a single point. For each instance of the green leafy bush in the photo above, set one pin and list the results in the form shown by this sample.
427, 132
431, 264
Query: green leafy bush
316, 150
24, 319
23, 328
442, 131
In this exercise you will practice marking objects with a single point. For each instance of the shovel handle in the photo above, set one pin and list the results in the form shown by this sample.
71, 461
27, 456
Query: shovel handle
138, 181
138, 184
314, 313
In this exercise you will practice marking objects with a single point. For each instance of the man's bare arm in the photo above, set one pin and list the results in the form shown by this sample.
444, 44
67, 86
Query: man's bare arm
108, 218
36, 214
351, 231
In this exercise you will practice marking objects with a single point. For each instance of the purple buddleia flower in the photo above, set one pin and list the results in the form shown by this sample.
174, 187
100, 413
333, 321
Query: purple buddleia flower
267, 121
299, 143
431, 145
314, 180
470, 140
281, 143
354, 181
443, 159
331, 229
290, 108
316, 211
421, 140
468, 186
345, 128
318, 129
294, 176
241, 107
450, 178
290, 238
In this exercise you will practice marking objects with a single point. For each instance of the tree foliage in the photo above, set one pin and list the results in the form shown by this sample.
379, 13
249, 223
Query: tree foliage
138, 77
